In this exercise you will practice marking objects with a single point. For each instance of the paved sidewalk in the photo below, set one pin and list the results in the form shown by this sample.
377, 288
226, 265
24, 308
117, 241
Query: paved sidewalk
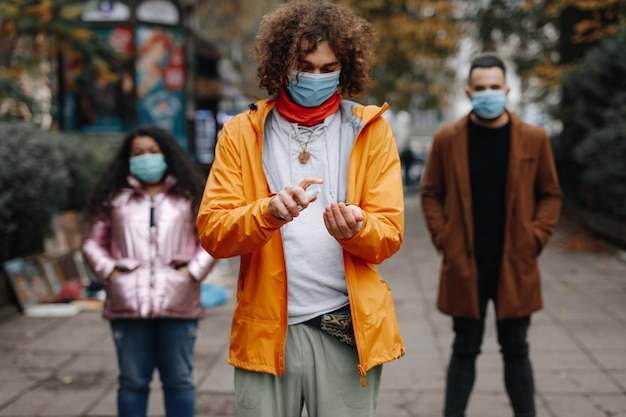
65, 367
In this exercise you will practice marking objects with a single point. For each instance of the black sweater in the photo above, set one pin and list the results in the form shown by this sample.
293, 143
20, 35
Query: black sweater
488, 152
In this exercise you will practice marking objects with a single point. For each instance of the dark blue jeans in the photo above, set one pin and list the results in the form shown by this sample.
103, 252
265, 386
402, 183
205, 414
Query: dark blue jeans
166, 344
468, 337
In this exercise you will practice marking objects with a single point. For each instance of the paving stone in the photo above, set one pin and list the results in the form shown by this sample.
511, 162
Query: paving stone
607, 334
620, 377
575, 382
572, 406
90, 363
15, 384
488, 404
577, 307
49, 402
410, 403
562, 361
551, 337
215, 404
611, 359
106, 406
400, 374
611, 405
28, 359
219, 378
73, 335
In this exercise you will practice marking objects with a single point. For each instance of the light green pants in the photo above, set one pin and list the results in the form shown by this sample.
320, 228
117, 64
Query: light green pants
320, 373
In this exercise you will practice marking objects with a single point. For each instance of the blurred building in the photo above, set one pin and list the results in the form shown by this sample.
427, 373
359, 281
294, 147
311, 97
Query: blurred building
164, 74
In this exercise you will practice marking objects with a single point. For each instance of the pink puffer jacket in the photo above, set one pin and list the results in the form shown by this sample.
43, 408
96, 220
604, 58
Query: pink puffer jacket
147, 248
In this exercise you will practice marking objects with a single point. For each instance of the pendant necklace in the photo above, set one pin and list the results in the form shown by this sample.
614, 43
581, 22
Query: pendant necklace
304, 155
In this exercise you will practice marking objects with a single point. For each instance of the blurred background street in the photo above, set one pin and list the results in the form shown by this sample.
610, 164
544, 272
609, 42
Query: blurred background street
66, 367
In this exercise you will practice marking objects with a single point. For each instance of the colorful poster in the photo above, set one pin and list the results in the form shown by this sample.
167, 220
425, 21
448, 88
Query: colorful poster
160, 78
95, 102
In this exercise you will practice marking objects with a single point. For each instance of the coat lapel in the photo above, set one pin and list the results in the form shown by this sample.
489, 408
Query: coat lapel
461, 170
516, 154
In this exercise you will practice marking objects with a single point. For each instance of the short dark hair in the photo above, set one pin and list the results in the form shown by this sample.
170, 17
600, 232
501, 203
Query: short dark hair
487, 61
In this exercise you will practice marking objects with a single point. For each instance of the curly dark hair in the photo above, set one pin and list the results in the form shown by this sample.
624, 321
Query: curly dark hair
189, 180
295, 29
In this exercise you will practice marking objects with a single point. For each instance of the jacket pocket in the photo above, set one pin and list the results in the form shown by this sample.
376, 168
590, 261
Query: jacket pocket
533, 244
122, 292
524, 244
538, 245
182, 293
442, 236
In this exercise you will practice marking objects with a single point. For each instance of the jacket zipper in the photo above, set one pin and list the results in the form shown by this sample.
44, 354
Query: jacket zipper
152, 253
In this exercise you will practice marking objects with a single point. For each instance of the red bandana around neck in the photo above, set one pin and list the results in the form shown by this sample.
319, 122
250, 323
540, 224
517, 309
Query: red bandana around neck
305, 116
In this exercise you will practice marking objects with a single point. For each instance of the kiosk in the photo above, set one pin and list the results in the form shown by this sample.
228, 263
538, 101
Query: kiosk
149, 82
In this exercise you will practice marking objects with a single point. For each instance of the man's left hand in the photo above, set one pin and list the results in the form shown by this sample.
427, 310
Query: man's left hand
343, 221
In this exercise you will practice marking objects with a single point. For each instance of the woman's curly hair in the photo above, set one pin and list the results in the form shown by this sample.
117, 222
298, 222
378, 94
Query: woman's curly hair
189, 180
295, 29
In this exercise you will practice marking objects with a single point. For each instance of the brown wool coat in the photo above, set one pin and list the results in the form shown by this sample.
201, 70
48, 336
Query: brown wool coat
533, 203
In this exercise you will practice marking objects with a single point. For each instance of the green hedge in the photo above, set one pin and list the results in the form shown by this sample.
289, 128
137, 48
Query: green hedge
591, 149
42, 173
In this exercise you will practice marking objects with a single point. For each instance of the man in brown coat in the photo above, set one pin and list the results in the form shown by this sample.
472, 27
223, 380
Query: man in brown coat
491, 199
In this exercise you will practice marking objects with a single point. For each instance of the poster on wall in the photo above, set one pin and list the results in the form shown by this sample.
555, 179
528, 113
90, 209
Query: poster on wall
99, 102
160, 78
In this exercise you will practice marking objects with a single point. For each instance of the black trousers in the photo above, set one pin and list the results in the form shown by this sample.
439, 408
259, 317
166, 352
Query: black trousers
468, 337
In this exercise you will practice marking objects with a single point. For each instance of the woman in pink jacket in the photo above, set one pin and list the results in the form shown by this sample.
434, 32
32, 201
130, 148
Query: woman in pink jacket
141, 242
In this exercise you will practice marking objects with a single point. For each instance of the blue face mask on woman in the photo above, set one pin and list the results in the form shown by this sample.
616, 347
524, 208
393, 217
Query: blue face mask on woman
489, 104
311, 90
149, 167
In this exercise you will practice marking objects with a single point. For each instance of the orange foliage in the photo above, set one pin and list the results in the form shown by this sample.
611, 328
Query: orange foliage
42, 11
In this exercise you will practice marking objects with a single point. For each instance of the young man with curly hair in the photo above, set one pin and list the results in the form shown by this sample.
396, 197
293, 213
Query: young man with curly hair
306, 189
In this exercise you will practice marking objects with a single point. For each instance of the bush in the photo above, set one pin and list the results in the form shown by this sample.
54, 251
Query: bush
591, 150
42, 173
85, 159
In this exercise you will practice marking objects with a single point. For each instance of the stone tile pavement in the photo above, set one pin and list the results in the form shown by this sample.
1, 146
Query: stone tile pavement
65, 367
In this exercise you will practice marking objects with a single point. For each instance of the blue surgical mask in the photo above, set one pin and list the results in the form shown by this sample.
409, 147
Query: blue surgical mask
311, 90
149, 167
489, 104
